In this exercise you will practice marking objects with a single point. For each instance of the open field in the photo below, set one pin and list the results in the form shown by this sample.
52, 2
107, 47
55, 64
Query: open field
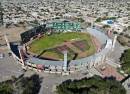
77, 44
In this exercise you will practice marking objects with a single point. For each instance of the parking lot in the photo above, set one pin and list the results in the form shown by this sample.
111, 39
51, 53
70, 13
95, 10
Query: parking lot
8, 66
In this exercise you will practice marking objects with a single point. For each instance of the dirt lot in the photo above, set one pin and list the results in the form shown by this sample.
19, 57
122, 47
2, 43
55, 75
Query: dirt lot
13, 33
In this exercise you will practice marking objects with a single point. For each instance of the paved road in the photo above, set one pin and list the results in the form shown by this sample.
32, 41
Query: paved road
9, 67
116, 54
50, 81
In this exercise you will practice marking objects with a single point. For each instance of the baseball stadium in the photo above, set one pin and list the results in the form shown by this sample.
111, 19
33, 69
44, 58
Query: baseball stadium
62, 46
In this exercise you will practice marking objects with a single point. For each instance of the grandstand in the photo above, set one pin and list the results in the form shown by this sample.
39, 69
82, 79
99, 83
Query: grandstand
27, 35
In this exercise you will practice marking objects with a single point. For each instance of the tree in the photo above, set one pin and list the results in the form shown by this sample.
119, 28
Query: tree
106, 26
128, 27
99, 19
93, 85
6, 88
125, 60
21, 85
30, 85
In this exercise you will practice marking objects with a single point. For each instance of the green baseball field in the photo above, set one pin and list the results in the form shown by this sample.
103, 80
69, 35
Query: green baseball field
77, 44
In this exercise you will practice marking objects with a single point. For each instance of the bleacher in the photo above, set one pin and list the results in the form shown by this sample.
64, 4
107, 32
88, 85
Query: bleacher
26, 36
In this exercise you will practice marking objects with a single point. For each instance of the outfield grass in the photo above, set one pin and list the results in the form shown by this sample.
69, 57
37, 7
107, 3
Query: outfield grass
49, 42
46, 42
52, 55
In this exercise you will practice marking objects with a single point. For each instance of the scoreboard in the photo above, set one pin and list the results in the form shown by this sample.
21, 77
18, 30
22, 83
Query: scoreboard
64, 26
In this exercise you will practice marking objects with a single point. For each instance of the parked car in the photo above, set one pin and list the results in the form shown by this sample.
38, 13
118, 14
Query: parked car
1, 55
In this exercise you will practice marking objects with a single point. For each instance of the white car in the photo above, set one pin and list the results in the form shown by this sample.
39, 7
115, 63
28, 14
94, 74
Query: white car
1, 55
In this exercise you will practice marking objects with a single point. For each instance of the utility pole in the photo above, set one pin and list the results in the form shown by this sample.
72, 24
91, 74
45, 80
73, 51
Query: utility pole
114, 42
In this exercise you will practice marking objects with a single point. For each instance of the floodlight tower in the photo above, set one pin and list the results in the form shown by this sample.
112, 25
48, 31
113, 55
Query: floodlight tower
92, 24
65, 61
114, 42
21, 53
